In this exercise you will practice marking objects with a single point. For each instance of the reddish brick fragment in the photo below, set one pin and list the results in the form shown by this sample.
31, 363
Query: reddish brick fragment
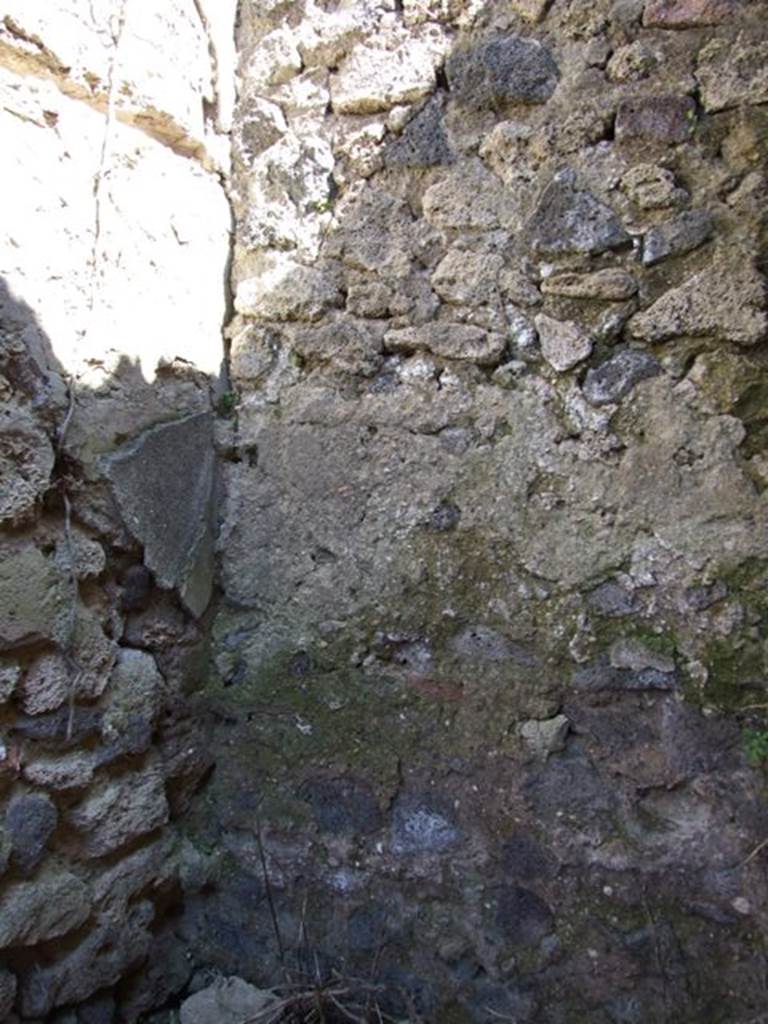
688, 13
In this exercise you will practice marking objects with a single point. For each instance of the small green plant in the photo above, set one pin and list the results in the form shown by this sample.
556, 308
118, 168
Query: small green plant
226, 403
756, 746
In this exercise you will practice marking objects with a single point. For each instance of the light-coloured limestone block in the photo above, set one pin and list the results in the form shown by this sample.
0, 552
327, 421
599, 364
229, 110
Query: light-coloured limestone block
451, 341
731, 73
286, 290
610, 284
34, 599
725, 300
51, 906
377, 77
563, 343
26, 461
119, 811
464, 277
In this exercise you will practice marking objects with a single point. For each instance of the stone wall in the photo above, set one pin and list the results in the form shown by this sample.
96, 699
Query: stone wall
113, 293
455, 569
493, 526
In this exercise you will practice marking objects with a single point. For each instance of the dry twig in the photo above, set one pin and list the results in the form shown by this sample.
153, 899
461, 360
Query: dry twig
758, 849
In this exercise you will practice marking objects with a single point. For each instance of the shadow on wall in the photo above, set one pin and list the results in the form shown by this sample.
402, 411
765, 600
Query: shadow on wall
106, 567
151, 443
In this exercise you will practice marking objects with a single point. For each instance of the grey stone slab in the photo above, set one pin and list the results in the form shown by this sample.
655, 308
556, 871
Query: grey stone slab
163, 483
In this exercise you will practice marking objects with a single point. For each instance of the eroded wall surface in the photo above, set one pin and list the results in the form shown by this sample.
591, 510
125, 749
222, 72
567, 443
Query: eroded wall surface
113, 265
494, 526
491, 527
